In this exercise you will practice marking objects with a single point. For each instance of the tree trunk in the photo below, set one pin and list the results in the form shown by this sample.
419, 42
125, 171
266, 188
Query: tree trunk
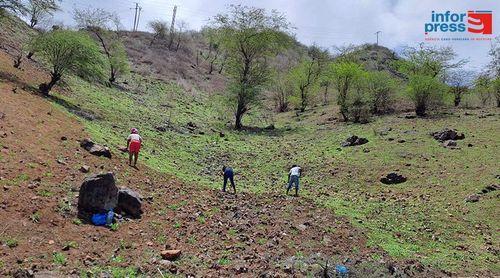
420, 110
239, 114
30, 54
458, 98
46, 87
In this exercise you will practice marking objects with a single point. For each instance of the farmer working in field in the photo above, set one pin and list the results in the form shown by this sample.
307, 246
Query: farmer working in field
134, 141
228, 175
293, 178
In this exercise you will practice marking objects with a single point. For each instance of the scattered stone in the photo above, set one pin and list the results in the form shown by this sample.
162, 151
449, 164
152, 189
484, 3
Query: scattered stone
470, 145
393, 178
98, 194
123, 149
61, 161
87, 115
6, 188
354, 141
490, 188
85, 169
161, 128
129, 202
270, 127
472, 198
51, 242
302, 227
170, 255
401, 140
452, 144
2, 115
64, 138
385, 131
410, 116
447, 134
94, 148
221, 134
366, 150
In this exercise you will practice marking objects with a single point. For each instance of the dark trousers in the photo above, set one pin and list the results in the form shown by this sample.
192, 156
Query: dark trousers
230, 178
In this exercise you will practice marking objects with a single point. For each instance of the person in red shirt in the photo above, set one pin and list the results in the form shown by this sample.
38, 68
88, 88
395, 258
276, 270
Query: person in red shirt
134, 141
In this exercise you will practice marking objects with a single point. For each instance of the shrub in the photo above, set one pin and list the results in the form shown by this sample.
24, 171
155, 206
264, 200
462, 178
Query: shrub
344, 75
381, 87
424, 90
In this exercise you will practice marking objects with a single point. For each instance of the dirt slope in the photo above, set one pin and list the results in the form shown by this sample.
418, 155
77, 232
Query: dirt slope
219, 234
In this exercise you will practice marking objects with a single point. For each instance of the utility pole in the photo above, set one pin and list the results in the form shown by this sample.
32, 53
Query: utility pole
376, 33
138, 18
135, 15
172, 28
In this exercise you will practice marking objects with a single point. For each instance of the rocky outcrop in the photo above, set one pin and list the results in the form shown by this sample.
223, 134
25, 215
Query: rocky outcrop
447, 134
393, 178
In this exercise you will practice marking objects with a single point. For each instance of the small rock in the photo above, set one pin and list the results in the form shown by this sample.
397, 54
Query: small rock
354, 141
221, 134
85, 169
51, 242
366, 150
393, 178
450, 144
94, 148
401, 140
6, 188
472, 198
447, 134
410, 116
61, 161
129, 202
64, 138
170, 254
302, 227
123, 149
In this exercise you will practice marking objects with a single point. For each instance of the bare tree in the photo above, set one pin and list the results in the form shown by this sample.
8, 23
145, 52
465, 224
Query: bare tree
39, 9
160, 30
181, 27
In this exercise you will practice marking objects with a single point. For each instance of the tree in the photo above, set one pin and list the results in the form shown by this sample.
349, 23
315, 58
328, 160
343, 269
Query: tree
496, 89
381, 87
344, 75
423, 90
483, 87
160, 30
428, 60
306, 75
15, 6
459, 82
38, 9
68, 51
249, 36
99, 22
494, 53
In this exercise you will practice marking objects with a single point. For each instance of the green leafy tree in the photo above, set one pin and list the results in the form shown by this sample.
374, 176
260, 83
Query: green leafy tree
305, 76
39, 9
249, 37
428, 60
68, 51
424, 90
459, 82
344, 75
483, 88
496, 90
381, 87
99, 23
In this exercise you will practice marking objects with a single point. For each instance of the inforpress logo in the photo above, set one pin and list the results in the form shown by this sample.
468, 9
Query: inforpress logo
480, 22
476, 22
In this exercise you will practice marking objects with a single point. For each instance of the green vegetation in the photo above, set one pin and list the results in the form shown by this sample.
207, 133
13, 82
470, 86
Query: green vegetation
35, 217
59, 258
249, 36
68, 51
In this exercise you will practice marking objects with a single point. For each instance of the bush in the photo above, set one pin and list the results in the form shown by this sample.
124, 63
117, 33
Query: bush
381, 87
424, 90
344, 75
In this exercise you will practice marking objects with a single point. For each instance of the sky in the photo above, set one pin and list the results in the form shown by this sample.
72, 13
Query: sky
326, 23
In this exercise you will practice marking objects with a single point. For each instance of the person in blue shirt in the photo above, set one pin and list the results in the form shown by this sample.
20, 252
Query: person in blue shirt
228, 175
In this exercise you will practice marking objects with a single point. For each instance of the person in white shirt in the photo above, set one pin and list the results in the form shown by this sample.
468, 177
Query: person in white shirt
134, 141
293, 179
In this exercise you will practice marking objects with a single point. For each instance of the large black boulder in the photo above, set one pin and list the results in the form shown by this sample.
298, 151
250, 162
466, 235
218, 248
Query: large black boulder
129, 203
98, 194
94, 148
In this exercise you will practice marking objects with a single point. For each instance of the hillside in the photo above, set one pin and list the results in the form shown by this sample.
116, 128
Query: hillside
345, 215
